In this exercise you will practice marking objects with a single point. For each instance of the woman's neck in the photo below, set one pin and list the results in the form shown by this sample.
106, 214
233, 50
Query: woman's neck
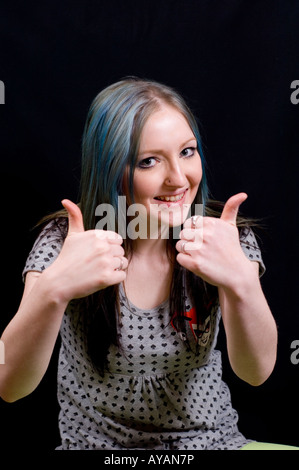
150, 247
149, 274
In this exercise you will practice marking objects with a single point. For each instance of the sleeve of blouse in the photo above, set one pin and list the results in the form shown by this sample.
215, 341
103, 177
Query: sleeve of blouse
46, 247
251, 248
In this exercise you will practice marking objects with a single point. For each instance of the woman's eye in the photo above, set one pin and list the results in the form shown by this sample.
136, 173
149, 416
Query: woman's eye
188, 152
147, 162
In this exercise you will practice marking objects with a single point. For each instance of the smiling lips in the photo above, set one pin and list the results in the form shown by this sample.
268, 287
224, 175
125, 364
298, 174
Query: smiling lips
176, 198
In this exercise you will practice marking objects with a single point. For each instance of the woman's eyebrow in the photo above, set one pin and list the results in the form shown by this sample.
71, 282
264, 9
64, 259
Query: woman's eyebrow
161, 151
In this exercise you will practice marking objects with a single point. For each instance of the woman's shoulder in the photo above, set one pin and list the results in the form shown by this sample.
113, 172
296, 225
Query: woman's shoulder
54, 229
47, 245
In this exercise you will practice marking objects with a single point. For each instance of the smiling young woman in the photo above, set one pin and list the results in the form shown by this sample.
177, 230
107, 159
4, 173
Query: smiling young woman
168, 170
139, 318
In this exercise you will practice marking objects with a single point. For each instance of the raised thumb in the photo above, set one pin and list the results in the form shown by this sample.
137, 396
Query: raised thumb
75, 216
231, 207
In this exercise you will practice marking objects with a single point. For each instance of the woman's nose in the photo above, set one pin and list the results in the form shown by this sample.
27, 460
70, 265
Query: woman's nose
175, 175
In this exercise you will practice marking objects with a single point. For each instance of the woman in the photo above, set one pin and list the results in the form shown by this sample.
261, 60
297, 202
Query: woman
138, 315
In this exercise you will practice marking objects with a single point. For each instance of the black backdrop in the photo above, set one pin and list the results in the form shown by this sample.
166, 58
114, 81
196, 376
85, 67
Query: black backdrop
234, 61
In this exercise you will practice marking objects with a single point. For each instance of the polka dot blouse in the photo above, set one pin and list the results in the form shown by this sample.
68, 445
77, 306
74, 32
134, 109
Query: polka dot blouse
163, 389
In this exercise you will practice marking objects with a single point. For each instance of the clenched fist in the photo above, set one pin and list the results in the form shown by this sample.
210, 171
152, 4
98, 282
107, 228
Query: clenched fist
89, 260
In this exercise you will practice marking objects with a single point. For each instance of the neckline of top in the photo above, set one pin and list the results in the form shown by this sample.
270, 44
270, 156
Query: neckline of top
144, 312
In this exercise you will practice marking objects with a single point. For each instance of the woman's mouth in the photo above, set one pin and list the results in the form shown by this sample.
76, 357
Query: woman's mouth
175, 198
171, 206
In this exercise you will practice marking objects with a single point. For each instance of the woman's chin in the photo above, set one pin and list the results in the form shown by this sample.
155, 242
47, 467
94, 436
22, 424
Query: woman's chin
166, 216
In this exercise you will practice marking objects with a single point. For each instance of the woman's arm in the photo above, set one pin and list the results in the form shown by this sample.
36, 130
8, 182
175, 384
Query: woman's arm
30, 337
211, 249
88, 261
250, 328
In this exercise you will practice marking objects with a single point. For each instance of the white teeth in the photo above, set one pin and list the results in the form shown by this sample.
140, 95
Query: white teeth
170, 198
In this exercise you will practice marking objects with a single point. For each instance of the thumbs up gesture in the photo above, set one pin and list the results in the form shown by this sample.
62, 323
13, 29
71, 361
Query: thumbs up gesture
89, 260
231, 208
75, 217
210, 247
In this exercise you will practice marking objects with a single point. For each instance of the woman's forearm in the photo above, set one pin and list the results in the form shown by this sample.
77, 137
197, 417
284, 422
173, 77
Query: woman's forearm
29, 339
250, 329
88, 261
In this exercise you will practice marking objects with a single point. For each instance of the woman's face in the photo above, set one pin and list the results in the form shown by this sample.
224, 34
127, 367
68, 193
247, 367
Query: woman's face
168, 169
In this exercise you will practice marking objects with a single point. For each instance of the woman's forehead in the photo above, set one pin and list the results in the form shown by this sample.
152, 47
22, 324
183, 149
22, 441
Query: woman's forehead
166, 122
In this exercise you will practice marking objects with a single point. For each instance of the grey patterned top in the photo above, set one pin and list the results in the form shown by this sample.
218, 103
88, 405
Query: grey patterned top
158, 393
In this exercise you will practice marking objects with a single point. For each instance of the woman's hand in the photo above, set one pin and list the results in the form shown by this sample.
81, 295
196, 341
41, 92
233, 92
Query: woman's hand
89, 260
210, 247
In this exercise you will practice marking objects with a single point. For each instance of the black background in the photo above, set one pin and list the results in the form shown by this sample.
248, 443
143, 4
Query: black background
234, 61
